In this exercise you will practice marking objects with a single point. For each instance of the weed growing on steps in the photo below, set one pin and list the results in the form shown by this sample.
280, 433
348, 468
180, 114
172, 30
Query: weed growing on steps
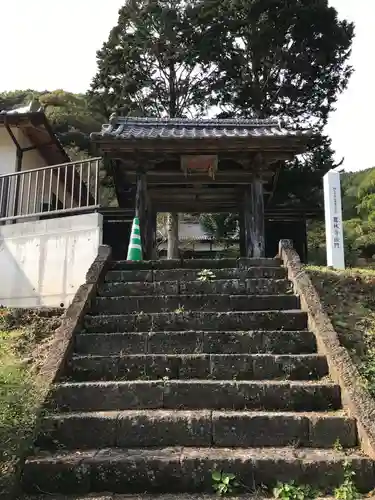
179, 310
292, 491
206, 275
348, 489
224, 483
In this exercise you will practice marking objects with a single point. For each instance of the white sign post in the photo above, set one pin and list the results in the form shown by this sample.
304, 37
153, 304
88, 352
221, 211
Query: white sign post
333, 218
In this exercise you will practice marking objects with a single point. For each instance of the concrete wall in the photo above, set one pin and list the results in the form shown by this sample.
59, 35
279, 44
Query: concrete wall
43, 263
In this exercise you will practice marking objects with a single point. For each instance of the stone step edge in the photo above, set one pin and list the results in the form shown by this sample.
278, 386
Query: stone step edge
208, 332
240, 262
218, 282
198, 296
116, 414
178, 453
270, 274
195, 313
200, 382
257, 355
182, 496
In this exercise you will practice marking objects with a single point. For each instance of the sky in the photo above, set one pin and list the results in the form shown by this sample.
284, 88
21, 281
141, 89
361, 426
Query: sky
46, 47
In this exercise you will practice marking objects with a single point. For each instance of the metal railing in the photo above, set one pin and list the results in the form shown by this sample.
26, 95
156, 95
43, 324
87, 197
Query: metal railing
58, 189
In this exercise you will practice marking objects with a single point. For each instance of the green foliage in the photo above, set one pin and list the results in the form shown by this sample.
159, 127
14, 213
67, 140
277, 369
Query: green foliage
287, 59
299, 182
220, 226
347, 490
21, 390
206, 275
224, 483
282, 59
292, 491
151, 64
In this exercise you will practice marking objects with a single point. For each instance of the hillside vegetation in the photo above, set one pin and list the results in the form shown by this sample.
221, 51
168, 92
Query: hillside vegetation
24, 338
349, 300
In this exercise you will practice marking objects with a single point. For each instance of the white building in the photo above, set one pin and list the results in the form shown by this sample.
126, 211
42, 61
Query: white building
44, 255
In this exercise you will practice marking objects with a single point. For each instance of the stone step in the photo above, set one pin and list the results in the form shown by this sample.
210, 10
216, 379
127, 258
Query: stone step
258, 286
155, 428
189, 470
195, 320
195, 394
176, 303
242, 263
197, 342
198, 366
186, 275
181, 496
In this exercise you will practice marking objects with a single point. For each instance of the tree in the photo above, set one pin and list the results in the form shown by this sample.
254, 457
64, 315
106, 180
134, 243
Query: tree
366, 196
299, 182
277, 58
151, 64
284, 59
221, 226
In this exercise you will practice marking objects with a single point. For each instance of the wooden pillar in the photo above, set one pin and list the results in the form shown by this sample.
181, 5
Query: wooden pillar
305, 256
253, 213
172, 252
152, 234
242, 234
141, 210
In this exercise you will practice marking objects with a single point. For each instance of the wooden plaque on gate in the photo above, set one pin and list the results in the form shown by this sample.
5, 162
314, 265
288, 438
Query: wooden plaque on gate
199, 164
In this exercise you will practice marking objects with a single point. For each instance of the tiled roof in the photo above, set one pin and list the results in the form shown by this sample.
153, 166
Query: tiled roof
181, 128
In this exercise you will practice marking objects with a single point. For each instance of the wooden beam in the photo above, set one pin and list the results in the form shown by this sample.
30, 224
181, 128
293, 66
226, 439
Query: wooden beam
198, 208
253, 210
166, 178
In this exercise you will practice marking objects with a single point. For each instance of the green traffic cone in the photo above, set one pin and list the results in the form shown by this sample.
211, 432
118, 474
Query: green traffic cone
135, 244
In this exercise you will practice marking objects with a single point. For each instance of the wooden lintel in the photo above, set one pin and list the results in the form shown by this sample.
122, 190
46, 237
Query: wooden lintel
216, 192
171, 178
245, 159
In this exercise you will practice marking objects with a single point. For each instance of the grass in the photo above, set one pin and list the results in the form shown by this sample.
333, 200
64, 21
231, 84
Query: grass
23, 334
349, 300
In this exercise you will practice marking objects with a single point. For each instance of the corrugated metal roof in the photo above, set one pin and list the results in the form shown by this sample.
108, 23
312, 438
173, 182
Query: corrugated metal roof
33, 107
180, 128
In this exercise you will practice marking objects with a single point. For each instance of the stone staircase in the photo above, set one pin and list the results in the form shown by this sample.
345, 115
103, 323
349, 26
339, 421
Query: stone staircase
180, 372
